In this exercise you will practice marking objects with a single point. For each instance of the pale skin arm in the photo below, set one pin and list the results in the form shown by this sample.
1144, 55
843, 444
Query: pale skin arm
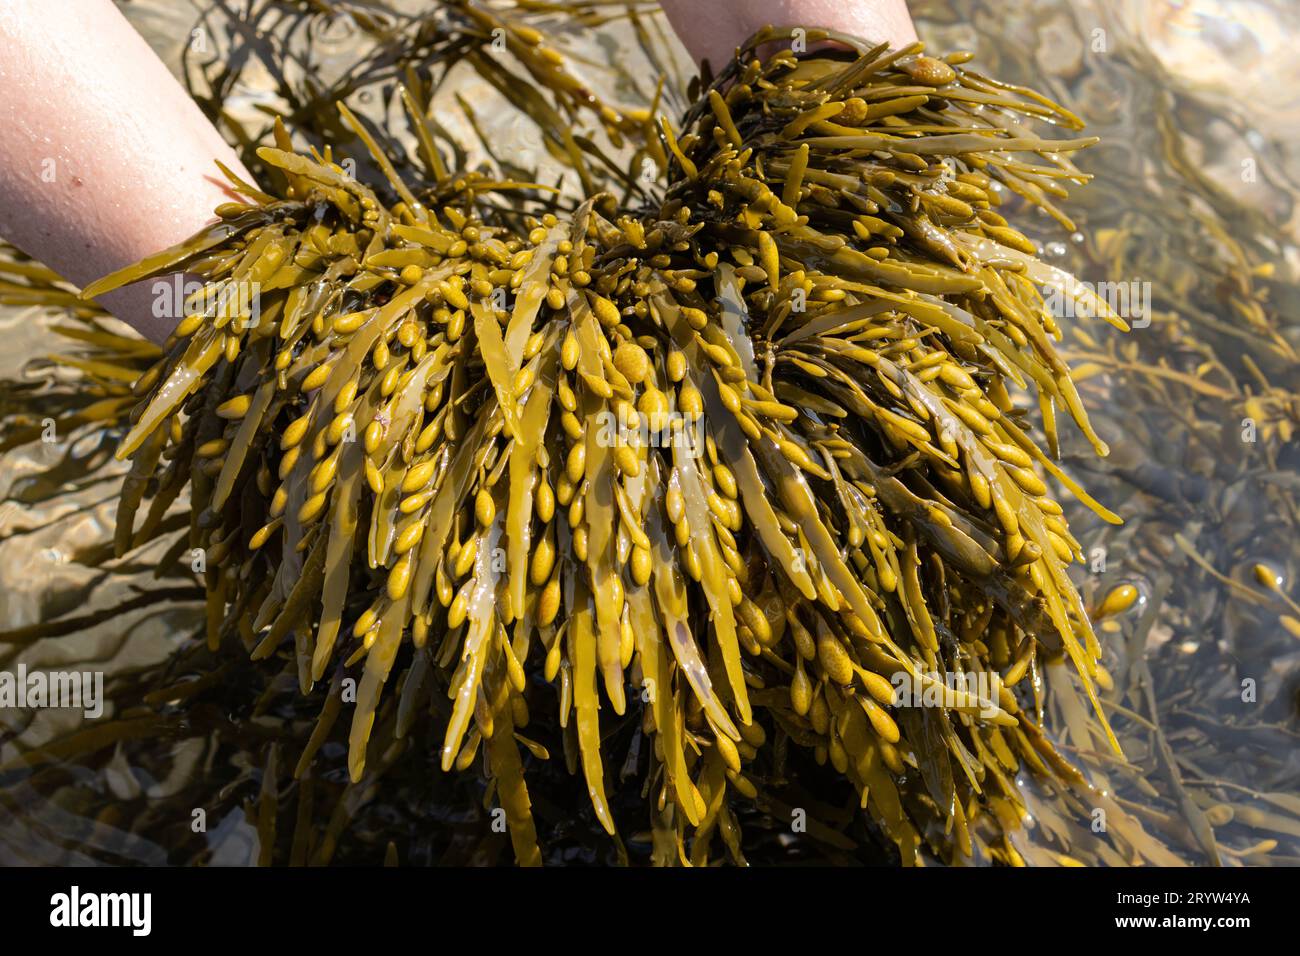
713, 29
104, 158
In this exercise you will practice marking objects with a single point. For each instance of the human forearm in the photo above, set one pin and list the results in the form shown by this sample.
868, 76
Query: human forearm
104, 159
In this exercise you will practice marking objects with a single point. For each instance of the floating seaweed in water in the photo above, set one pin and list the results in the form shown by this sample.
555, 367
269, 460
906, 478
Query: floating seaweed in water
1202, 502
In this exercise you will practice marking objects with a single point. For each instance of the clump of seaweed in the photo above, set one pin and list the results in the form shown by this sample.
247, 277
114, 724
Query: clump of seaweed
751, 453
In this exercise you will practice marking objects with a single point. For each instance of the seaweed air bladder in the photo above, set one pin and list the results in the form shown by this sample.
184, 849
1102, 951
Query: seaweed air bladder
749, 463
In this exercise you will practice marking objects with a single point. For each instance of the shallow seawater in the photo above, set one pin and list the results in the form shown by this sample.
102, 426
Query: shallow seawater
1192, 215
